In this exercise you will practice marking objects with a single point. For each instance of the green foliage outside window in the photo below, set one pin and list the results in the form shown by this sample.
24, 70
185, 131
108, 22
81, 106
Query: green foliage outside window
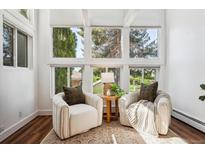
137, 77
60, 79
64, 42
142, 45
106, 43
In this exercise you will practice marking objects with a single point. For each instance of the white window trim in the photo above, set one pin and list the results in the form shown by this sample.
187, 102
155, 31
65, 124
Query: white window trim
52, 76
158, 42
124, 62
8, 18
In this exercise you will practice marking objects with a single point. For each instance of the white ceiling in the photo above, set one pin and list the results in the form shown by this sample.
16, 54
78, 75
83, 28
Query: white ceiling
107, 17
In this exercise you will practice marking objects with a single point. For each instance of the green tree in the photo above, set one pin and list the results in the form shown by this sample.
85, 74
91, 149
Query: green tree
64, 42
60, 79
106, 43
140, 44
64, 45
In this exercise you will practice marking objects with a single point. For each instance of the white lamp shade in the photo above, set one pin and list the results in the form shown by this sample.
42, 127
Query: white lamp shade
76, 76
107, 77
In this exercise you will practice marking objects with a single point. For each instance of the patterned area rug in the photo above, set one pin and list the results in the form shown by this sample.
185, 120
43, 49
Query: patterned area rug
105, 133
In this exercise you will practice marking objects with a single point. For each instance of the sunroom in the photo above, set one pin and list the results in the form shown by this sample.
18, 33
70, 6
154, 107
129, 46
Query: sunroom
77, 73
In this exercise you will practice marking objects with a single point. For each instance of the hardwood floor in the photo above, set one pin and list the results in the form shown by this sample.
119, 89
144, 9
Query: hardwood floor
39, 127
33, 132
187, 132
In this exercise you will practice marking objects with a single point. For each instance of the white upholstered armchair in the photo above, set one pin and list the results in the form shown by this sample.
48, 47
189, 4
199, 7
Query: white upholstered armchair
75, 119
162, 114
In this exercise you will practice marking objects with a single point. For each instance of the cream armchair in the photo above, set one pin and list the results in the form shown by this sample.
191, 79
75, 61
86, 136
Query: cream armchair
75, 119
163, 110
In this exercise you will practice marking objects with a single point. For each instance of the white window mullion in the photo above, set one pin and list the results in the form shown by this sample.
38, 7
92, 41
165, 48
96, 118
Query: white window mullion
142, 80
125, 78
87, 78
125, 43
124, 70
52, 81
68, 77
87, 43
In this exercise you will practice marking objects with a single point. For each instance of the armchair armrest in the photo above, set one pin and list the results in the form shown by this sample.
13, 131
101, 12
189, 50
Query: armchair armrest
60, 116
124, 102
163, 112
128, 99
97, 102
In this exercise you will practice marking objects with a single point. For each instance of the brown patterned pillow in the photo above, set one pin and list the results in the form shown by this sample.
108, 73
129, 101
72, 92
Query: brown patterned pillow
148, 92
74, 95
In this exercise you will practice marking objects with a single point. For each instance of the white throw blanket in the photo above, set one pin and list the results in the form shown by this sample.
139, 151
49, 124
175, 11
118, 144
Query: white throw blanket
141, 116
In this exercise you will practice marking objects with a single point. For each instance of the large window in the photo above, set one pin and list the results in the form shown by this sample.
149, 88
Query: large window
97, 84
141, 75
143, 42
68, 42
22, 49
8, 45
103, 47
106, 42
15, 42
68, 77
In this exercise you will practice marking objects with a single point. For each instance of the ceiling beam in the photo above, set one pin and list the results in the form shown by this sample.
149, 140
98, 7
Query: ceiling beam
85, 18
129, 17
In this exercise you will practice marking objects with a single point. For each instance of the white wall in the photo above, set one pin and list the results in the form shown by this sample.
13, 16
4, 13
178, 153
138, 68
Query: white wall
186, 60
18, 86
44, 47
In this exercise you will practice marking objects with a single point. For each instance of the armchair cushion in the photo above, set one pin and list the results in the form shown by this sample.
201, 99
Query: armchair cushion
74, 95
148, 92
82, 117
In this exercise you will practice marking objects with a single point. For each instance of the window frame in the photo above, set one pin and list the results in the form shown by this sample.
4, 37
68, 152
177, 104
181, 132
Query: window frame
121, 42
123, 63
106, 70
143, 72
52, 76
51, 40
27, 48
15, 42
158, 42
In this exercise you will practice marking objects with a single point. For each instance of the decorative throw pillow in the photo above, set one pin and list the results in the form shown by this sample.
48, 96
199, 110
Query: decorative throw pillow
74, 95
148, 92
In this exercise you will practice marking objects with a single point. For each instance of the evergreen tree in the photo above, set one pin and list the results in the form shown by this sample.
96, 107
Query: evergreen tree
140, 44
106, 43
64, 42
64, 45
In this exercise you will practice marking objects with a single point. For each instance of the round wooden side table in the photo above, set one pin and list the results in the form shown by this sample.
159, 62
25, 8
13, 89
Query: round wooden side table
108, 100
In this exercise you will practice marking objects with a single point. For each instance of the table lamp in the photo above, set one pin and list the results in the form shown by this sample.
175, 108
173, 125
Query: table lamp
107, 78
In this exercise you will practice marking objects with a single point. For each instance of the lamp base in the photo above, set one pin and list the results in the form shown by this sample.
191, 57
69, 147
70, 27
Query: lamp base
106, 89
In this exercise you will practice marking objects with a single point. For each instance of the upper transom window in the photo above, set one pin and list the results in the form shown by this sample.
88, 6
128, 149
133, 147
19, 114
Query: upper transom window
143, 42
106, 42
68, 42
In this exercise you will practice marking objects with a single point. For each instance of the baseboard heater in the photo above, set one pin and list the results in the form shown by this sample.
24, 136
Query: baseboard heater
190, 120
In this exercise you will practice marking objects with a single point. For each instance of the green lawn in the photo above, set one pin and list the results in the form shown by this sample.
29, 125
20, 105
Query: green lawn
98, 89
146, 82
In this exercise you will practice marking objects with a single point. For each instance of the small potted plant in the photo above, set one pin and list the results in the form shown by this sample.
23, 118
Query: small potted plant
116, 90
202, 98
